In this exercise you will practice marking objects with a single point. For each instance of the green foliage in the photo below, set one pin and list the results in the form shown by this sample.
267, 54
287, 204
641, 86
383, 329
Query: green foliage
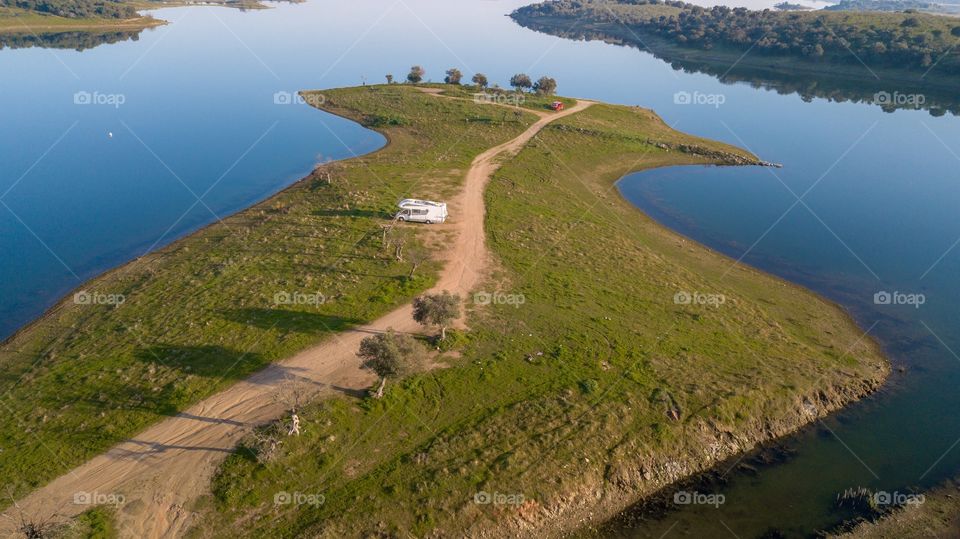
521, 81
391, 354
481, 80
416, 74
589, 386
545, 86
453, 76
74, 9
437, 310
909, 40
97, 523
455, 340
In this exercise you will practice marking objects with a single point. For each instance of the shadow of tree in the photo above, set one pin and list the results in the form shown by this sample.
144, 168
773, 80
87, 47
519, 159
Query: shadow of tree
289, 320
352, 213
209, 361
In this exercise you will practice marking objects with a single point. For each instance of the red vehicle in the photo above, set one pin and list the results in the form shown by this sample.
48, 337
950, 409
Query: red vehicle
557, 105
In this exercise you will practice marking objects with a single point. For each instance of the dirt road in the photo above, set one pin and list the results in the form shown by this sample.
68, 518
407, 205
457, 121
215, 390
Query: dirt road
164, 467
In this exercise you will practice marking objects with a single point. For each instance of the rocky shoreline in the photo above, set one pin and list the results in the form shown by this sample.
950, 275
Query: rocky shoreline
647, 483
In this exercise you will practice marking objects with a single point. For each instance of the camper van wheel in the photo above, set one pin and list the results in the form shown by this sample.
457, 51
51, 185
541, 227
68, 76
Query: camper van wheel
401, 219
429, 222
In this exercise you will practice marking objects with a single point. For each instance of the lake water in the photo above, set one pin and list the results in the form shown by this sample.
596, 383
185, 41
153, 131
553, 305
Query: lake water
200, 119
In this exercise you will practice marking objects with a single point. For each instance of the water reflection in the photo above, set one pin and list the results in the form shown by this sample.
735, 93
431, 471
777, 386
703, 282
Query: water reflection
76, 40
890, 93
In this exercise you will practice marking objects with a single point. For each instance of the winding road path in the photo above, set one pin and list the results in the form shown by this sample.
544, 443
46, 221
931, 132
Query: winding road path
171, 463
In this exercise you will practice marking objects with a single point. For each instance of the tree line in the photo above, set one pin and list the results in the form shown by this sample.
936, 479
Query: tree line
520, 82
75, 9
909, 40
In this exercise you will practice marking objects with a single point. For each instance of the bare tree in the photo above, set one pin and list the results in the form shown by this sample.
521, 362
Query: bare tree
31, 526
437, 310
265, 442
417, 256
385, 231
293, 394
398, 243
390, 355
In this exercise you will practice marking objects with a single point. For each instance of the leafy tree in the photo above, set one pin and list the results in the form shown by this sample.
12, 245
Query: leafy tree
390, 355
389, 78
481, 80
453, 76
437, 310
521, 81
955, 31
545, 86
416, 74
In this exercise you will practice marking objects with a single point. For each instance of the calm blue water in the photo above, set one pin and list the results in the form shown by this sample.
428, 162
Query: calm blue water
199, 94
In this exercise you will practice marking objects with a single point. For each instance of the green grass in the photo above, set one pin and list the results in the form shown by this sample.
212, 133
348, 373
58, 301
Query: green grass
200, 314
524, 100
572, 392
96, 523
17, 20
937, 516
21, 20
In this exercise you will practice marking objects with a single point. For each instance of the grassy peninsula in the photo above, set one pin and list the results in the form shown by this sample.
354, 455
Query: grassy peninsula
202, 313
59, 16
598, 384
56, 21
938, 515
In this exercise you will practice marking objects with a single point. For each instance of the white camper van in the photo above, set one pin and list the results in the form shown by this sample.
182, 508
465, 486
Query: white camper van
421, 211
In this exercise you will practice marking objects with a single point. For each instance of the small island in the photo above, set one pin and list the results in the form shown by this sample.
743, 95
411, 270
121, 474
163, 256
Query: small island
895, 6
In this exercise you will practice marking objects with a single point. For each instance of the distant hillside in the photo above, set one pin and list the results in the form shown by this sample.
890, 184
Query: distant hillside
787, 6
907, 41
894, 6
76, 9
